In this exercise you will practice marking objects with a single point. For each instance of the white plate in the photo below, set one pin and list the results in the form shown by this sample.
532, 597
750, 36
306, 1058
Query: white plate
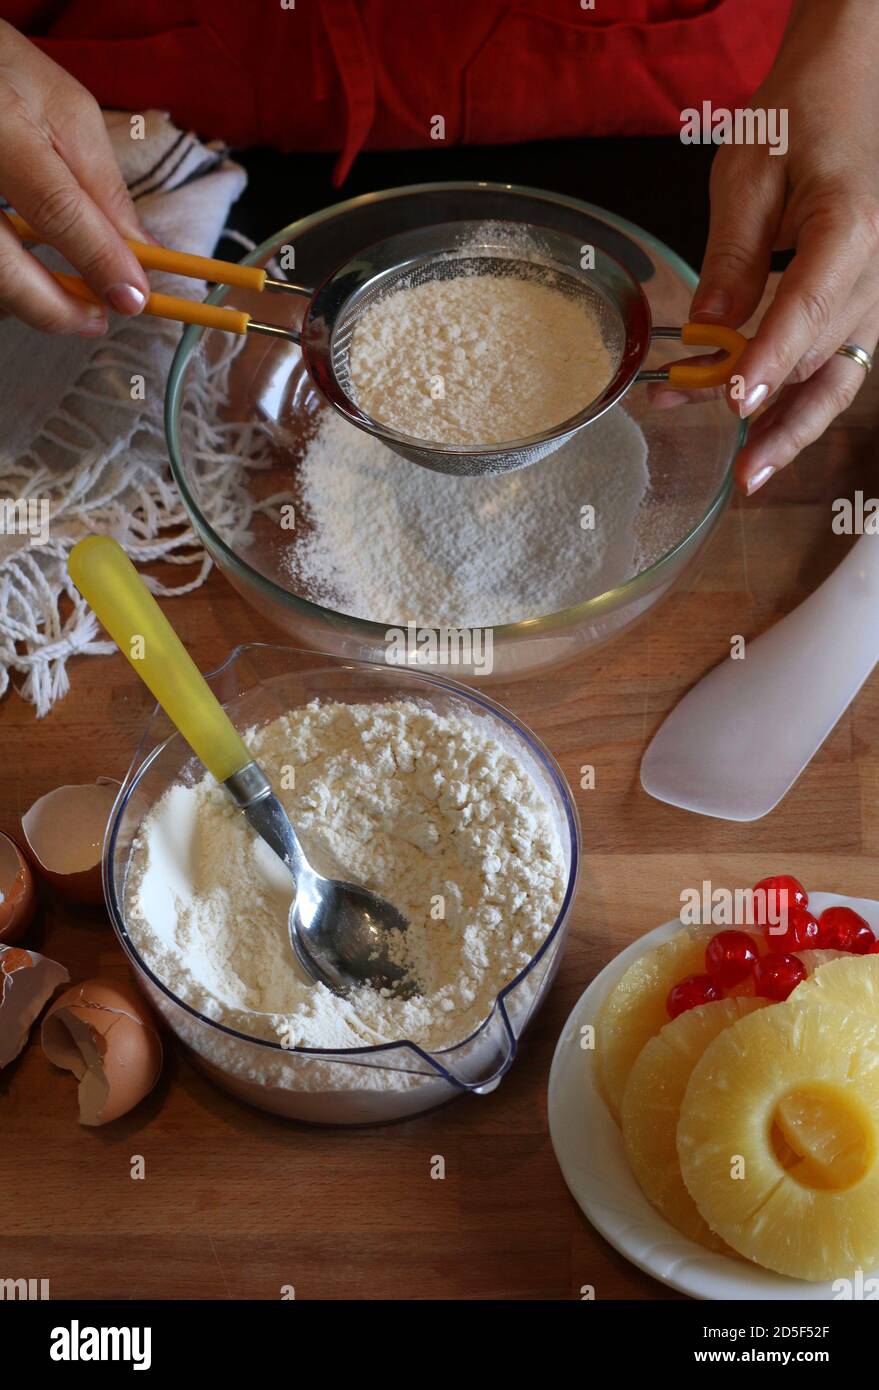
589, 1148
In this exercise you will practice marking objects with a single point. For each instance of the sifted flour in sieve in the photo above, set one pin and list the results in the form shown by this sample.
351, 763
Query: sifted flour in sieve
477, 359
424, 807
391, 541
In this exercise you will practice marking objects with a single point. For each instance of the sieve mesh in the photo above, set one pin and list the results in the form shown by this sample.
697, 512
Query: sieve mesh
489, 264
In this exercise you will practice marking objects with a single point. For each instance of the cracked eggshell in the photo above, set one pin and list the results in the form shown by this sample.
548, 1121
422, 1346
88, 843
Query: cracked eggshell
65, 830
105, 1035
18, 892
27, 982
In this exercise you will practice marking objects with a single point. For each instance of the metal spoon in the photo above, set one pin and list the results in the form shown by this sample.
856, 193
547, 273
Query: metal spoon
339, 931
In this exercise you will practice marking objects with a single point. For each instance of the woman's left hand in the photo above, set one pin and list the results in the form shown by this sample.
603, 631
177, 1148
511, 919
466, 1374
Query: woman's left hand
821, 199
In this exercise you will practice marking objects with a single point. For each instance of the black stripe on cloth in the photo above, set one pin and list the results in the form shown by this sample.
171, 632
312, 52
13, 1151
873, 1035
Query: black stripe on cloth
150, 173
207, 167
164, 183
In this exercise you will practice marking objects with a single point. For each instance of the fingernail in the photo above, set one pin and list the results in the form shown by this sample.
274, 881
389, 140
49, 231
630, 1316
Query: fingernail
125, 299
140, 233
715, 303
755, 397
93, 327
667, 399
759, 478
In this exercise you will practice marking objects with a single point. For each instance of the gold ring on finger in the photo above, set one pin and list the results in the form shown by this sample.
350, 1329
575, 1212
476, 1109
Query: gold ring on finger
857, 354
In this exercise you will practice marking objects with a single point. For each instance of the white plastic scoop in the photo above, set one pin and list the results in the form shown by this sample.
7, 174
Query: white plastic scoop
739, 739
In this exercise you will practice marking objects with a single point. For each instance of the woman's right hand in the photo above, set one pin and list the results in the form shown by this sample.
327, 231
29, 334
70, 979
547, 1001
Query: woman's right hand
58, 171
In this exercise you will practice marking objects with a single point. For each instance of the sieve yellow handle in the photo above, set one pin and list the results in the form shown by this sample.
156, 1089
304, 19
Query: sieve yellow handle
166, 306
248, 277
695, 377
110, 584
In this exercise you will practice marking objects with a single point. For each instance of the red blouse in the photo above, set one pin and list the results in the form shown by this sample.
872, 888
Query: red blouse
352, 74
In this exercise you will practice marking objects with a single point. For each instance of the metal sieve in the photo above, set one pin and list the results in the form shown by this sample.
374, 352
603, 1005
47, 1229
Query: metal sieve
435, 252
451, 249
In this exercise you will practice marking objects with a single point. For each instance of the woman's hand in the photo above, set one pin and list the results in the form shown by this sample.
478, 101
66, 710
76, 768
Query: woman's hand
822, 199
58, 171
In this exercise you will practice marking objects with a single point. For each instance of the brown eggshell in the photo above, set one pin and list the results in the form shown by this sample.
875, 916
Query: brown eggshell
104, 1034
19, 892
27, 982
64, 831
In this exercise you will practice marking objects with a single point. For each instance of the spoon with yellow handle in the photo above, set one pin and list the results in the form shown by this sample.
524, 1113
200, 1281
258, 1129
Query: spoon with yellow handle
339, 931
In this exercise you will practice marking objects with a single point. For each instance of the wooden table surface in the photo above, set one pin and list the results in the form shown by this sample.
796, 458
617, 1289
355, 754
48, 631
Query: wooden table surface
237, 1203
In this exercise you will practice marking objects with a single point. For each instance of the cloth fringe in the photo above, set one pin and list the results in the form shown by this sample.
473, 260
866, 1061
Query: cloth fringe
119, 487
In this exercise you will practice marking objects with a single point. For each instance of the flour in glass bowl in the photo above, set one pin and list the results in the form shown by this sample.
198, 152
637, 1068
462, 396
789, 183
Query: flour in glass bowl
424, 807
390, 541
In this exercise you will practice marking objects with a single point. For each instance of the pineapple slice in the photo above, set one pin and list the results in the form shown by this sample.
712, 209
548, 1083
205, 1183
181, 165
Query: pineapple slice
852, 982
784, 1074
634, 1011
816, 956
818, 1140
652, 1103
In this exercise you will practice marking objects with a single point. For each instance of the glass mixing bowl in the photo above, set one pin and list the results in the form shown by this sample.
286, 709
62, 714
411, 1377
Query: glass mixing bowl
269, 404
362, 1085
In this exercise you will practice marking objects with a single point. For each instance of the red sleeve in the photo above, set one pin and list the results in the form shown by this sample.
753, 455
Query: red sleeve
348, 74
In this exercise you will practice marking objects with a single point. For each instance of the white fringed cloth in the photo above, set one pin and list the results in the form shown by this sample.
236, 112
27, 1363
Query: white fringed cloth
74, 442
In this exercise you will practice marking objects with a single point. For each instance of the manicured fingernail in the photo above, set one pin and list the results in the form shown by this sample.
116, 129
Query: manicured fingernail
715, 303
667, 399
755, 397
93, 326
125, 299
759, 478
